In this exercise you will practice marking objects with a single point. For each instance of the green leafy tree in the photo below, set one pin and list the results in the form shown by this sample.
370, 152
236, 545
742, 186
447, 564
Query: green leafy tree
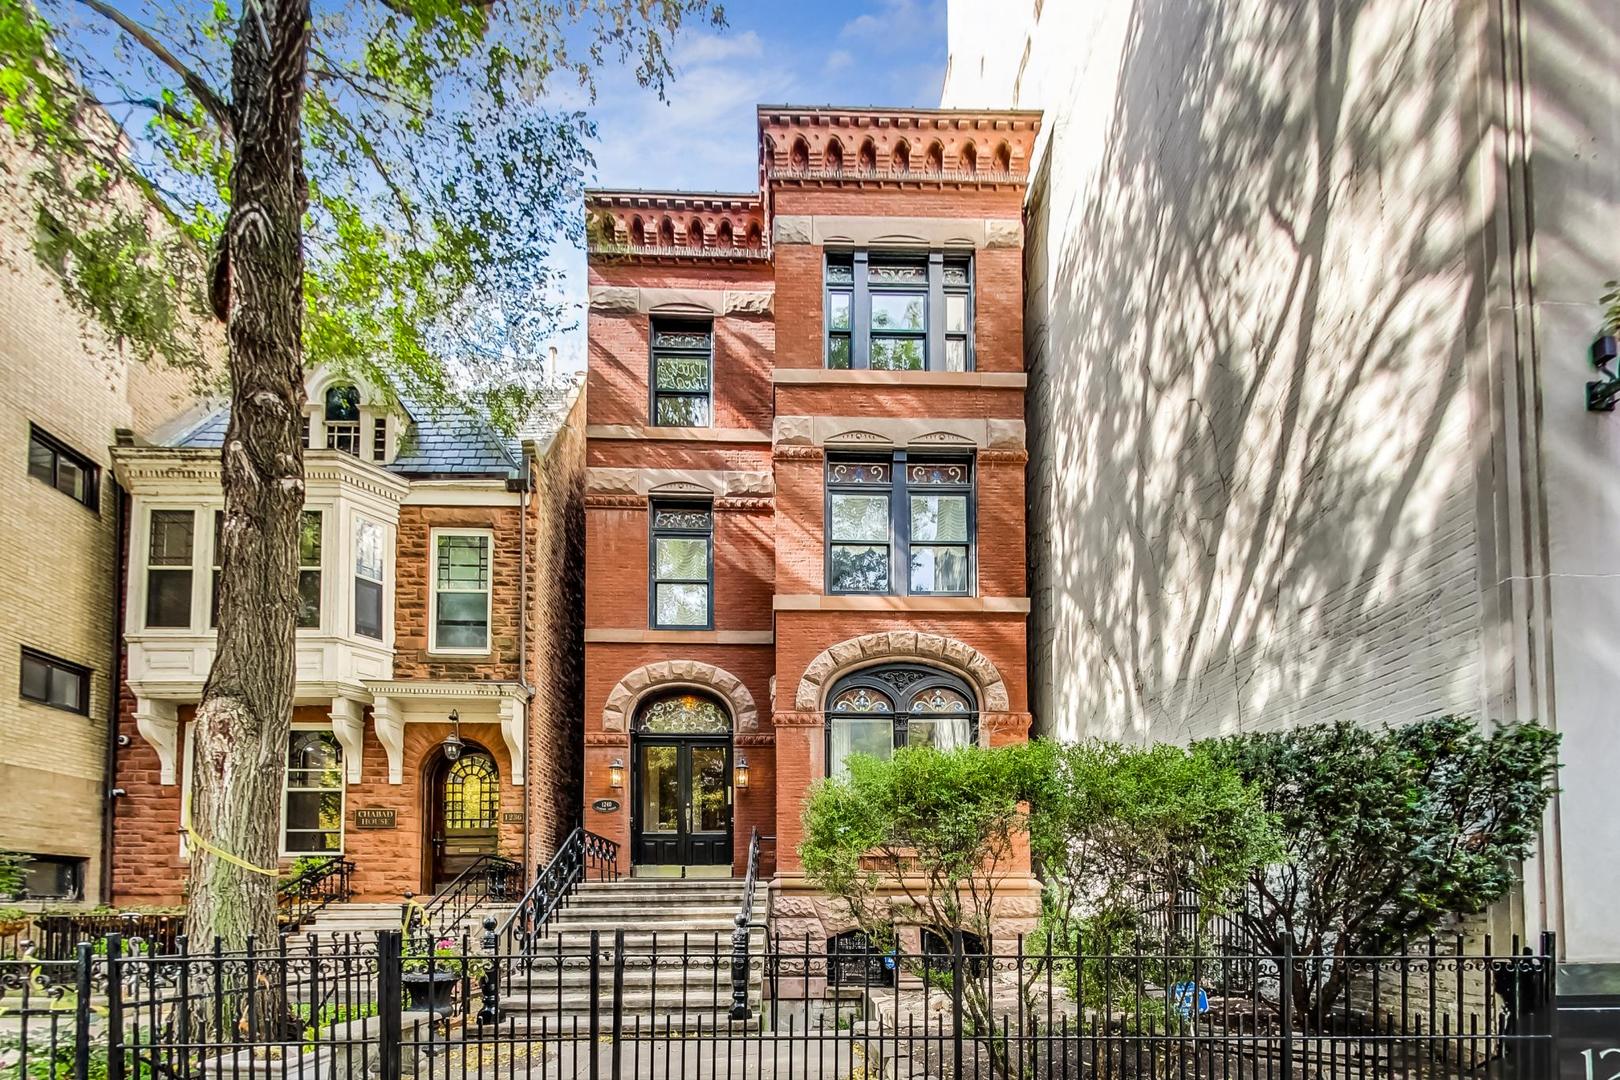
928, 837
368, 184
1117, 829
1385, 833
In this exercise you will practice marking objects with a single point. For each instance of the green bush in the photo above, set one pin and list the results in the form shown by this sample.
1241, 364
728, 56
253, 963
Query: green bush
1386, 832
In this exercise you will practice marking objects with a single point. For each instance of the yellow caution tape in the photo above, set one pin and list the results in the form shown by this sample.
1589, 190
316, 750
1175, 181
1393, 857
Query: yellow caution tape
219, 853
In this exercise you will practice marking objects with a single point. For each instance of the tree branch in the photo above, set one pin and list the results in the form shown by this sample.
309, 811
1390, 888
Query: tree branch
211, 101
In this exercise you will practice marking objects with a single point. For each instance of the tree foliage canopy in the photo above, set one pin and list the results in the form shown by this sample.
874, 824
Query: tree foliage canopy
440, 173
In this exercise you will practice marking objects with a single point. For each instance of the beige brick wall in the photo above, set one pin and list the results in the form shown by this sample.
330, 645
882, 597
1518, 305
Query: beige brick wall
57, 591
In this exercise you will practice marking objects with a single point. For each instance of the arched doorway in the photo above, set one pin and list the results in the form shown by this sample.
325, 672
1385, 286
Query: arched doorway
463, 813
680, 797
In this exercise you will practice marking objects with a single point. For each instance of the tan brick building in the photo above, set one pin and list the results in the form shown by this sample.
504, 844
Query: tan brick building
65, 389
440, 604
805, 411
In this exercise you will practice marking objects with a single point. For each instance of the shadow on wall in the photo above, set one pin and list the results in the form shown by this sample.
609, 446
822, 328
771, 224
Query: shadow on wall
1256, 405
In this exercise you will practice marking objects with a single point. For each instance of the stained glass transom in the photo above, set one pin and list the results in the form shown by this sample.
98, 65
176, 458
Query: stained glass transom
472, 793
683, 714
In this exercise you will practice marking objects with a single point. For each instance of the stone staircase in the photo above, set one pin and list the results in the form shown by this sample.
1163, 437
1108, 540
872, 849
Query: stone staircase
677, 954
365, 919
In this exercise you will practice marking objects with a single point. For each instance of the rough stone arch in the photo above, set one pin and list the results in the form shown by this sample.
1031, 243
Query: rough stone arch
622, 700
902, 645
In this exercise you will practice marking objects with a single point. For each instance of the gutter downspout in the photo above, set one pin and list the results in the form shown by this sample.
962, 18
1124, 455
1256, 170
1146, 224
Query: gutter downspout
115, 670
523, 657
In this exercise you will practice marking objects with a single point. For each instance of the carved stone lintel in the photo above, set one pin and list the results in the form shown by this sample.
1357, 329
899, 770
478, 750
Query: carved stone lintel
1003, 457
513, 714
759, 738
744, 503
390, 728
635, 684
902, 645
802, 718
348, 726
159, 724
798, 453
606, 738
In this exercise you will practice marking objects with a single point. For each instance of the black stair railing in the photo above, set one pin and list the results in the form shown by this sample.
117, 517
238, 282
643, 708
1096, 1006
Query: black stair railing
741, 931
487, 879
583, 856
300, 897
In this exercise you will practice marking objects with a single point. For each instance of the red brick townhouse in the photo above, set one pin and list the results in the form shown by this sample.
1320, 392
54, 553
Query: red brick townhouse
805, 481
435, 559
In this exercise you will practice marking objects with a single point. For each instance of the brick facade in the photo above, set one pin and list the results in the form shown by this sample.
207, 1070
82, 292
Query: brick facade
833, 180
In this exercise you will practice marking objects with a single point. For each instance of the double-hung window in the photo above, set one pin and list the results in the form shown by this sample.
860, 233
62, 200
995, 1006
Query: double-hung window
169, 549
368, 579
461, 591
682, 373
898, 312
312, 801
58, 683
53, 462
897, 524
682, 566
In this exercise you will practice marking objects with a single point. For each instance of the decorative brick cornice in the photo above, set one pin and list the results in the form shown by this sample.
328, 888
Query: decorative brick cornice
1003, 457
675, 225
791, 452
606, 738
802, 718
758, 738
877, 148
744, 504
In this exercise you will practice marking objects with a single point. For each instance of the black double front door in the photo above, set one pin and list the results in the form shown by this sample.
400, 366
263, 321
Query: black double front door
682, 810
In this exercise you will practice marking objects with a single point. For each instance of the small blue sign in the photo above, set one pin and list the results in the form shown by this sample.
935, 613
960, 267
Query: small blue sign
1189, 997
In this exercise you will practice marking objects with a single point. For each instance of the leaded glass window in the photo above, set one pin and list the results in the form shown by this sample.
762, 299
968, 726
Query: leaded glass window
682, 373
875, 711
897, 516
461, 591
682, 565
899, 312
682, 714
313, 802
472, 793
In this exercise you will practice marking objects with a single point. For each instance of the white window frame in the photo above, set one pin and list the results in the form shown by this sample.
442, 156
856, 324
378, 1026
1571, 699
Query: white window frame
202, 540
343, 799
434, 535
354, 575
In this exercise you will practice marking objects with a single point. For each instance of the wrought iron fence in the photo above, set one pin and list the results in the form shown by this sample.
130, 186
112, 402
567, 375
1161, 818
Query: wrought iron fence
300, 897
646, 1003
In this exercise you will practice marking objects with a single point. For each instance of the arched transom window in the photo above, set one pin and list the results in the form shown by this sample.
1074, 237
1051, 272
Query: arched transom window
682, 713
877, 710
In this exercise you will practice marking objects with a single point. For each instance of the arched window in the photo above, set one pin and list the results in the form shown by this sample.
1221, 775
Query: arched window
472, 793
877, 710
682, 713
342, 418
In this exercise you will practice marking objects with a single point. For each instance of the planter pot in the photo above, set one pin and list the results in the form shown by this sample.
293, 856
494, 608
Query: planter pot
429, 991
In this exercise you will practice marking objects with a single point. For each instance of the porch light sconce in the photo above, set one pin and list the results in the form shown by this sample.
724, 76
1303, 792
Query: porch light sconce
741, 781
1602, 395
616, 774
452, 742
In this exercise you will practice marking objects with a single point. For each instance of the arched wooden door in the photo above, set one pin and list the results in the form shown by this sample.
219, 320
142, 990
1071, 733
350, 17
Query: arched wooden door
464, 814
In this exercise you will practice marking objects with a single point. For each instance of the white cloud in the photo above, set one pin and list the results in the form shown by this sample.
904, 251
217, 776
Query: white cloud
897, 21
699, 49
838, 60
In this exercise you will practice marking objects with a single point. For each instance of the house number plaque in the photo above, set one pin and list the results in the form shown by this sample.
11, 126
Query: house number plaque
373, 819
605, 806
512, 817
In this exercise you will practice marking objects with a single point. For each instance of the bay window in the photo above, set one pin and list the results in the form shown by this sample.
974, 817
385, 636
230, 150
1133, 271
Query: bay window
169, 549
460, 597
898, 312
368, 579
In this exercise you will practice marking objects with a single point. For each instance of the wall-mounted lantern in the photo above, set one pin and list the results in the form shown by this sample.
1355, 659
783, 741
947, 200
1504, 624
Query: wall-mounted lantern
452, 742
1602, 395
616, 774
741, 780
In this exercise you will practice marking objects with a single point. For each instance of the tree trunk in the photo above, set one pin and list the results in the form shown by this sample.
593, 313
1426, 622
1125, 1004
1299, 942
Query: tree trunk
246, 709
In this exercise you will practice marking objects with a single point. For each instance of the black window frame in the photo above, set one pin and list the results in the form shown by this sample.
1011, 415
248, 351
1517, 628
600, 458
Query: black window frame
655, 532
899, 490
942, 281
59, 450
901, 683
705, 327
54, 665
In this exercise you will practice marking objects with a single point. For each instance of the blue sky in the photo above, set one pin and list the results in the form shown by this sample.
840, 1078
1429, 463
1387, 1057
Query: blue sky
821, 52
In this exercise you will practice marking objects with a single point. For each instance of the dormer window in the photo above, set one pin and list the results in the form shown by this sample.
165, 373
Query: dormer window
342, 419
